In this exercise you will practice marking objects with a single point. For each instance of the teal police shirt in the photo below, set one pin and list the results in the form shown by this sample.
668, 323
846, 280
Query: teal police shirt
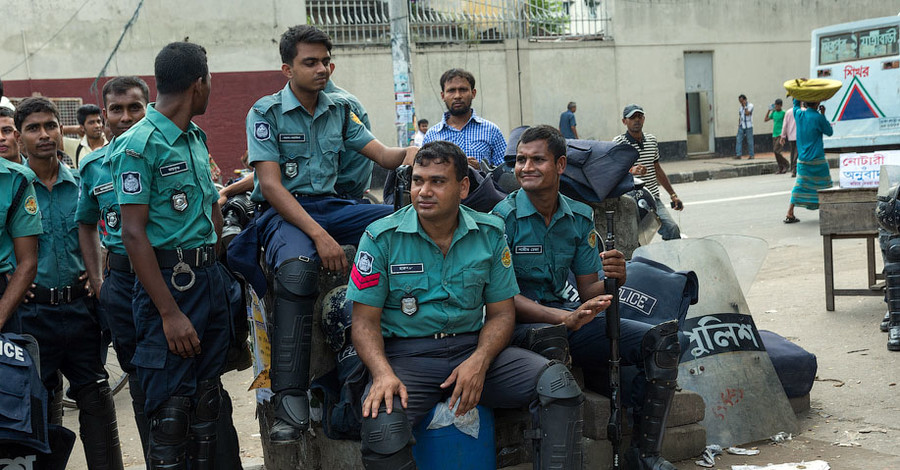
25, 221
355, 172
542, 254
400, 269
157, 164
307, 147
59, 255
98, 200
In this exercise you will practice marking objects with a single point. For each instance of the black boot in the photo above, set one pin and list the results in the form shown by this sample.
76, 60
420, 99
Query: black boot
661, 352
98, 428
886, 322
295, 289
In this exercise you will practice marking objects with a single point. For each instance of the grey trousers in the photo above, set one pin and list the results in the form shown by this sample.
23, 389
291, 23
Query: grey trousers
422, 364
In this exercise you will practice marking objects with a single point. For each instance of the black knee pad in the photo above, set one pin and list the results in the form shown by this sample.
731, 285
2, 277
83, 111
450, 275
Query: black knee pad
661, 351
298, 277
96, 399
556, 382
550, 341
386, 441
169, 426
209, 399
558, 441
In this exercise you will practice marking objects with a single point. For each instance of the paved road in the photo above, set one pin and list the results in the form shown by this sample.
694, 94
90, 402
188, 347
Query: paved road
787, 297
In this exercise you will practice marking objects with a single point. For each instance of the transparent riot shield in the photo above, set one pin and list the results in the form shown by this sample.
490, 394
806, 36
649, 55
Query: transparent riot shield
725, 361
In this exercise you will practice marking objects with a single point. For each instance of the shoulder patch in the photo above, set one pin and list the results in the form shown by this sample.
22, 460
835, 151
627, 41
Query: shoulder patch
593, 238
262, 130
30, 205
506, 258
355, 118
131, 182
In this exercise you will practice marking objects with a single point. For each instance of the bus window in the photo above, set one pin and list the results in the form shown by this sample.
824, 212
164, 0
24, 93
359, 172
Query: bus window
837, 48
878, 42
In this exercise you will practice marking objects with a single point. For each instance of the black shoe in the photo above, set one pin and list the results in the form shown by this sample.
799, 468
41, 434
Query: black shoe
283, 433
886, 322
894, 339
634, 461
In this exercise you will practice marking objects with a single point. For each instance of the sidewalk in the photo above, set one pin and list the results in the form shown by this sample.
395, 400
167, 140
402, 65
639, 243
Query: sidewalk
719, 167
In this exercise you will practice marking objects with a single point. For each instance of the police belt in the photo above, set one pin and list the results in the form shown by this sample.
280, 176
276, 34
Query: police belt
202, 257
119, 262
58, 295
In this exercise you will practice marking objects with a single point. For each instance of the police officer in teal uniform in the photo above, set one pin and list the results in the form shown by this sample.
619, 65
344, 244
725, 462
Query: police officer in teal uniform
59, 310
296, 139
550, 234
170, 224
20, 221
355, 170
433, 312
125, 102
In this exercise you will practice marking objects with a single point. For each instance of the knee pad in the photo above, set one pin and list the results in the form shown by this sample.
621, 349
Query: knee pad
169, 426
293, 407
297, 277
386, 441
96, 399
555, 383
209, 399
550, 341
661, 351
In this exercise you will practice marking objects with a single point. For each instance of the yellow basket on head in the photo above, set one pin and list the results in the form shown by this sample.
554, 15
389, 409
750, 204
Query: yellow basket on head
813, 90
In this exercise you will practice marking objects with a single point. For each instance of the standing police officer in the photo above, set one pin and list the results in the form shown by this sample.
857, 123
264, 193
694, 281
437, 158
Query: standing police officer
421, 281
296, 139
170, 224
551, 234
60, 313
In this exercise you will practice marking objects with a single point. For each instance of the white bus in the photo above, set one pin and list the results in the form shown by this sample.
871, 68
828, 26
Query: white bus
865, 112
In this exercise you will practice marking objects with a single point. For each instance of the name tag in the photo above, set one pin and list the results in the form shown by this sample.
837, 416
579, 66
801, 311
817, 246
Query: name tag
173, 169
292, 138
529, 249
411, 268
103, 188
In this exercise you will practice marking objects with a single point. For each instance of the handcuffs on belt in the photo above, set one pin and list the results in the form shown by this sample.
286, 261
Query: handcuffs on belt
182, 268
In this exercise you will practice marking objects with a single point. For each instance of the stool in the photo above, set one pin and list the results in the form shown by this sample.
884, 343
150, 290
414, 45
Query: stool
448, 448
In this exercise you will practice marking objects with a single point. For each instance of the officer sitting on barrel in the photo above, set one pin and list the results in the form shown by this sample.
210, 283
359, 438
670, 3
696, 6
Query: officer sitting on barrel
549, 235
171, 222
296, 139
433, 312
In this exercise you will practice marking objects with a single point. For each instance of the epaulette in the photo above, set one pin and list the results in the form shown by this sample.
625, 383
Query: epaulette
94, 156
581, 209
264, 104
492, 221
386, 224
505, 206
134, 141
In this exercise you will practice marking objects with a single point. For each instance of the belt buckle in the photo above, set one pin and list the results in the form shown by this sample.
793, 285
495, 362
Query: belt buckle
66, 296
54, 296
443, 335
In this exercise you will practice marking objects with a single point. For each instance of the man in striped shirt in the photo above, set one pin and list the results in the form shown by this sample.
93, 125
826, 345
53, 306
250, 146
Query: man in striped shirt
480, 139
648, 168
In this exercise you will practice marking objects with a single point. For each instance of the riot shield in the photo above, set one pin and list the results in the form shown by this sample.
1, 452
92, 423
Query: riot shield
725, 361
746, 254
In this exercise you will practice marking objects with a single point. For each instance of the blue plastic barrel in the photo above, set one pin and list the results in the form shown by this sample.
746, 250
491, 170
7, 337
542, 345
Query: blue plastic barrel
448, 448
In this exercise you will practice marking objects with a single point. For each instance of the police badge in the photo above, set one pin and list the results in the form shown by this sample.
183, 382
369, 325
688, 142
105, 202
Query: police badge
112, 219
364, 263
179, 201
261, 131
409, 305
291, 169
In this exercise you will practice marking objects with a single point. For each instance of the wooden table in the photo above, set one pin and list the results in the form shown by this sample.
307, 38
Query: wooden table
847, 214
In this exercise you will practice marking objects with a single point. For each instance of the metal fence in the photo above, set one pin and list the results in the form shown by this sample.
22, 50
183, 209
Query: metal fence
367, 22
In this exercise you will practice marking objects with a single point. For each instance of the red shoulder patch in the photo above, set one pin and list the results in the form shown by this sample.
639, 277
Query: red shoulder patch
364, 282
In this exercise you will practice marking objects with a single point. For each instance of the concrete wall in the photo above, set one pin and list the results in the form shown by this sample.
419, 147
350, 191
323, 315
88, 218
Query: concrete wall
756, 46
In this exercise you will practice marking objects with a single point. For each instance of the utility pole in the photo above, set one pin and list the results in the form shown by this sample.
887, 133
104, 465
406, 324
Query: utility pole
403, 88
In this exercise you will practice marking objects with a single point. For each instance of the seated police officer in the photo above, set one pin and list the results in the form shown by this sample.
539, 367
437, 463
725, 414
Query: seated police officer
549, 235
59, 312
295, 140
170, 223
433, 312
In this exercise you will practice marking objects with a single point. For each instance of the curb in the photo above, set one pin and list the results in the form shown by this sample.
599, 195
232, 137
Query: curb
736, 171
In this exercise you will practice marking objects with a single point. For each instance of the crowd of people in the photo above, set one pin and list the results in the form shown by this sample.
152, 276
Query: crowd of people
447, 302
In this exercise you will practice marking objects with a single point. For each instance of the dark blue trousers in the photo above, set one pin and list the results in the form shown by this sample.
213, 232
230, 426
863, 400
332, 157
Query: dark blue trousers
343, 219
164, 374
